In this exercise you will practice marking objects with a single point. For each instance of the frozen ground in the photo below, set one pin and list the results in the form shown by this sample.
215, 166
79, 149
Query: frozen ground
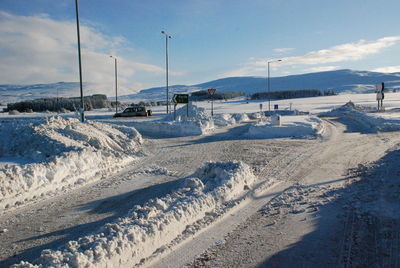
233, 194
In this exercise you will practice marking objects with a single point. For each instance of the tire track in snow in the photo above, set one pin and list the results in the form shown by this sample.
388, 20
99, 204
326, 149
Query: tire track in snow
343, 150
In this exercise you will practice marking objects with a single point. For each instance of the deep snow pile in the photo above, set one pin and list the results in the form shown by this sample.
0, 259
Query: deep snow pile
178, 128
291, 126
153, 225
229, 119
195, 113
380, 121
63, 153
198, 123
200, 114
345, 108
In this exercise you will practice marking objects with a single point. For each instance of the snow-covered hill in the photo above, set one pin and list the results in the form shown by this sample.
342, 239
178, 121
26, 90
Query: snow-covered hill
15, 93
341, 81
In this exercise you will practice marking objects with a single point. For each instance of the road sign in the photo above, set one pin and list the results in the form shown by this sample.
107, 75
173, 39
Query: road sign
211, 91
181, 98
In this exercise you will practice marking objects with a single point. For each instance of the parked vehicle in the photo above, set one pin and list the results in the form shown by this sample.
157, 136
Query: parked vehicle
135, 111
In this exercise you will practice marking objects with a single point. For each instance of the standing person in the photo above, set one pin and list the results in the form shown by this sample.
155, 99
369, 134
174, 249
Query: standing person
380, 95
379, 99
383, 95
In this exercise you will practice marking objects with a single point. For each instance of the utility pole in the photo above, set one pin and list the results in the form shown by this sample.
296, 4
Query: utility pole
80, 62
166, 64
116, 84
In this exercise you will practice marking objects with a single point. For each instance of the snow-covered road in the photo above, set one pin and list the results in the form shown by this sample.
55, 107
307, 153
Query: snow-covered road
66, 217
322, 217
300, 181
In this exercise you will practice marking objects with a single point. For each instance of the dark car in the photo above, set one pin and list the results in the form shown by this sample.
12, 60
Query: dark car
134, 111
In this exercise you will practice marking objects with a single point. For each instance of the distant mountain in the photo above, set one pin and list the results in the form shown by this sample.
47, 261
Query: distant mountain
340, 81
16, 93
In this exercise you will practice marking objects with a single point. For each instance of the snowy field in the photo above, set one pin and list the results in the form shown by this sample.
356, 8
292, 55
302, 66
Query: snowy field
312, 105
45, 155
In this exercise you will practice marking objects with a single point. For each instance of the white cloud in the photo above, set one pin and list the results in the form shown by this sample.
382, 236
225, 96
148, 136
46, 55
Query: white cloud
388, 69
283, 50
340, 53
38, 49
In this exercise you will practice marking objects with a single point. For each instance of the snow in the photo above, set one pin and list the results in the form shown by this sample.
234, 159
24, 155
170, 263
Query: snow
41, 156
339, 80
230, 119
199, 122
291, 126
191, 111
67, 153
57, 154
11, 161
375, 121
312, 105
156, 223
179, 128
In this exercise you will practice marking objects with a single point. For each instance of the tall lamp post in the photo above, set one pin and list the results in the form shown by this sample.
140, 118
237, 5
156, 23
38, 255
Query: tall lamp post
166, 63
80, 61
269, 90
116, 84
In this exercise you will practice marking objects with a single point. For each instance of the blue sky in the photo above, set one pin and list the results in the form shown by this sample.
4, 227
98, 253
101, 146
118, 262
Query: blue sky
210, 39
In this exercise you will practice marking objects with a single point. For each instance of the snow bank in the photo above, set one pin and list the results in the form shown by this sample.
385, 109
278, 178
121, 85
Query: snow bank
291, 126
63, 153
179, 128
198, 123
200, 114
378, 121
195, 113
348, 107
229, 119
153, 225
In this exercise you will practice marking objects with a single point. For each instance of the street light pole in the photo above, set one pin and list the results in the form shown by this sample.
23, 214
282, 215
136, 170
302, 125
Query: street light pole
116, 84
80, 61
166, 63
269, 91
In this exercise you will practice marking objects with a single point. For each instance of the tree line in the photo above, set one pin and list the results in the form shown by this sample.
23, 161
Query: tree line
203, 95
291, 94
97, 101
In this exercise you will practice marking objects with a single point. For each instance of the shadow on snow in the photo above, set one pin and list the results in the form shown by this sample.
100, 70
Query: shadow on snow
360, 228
